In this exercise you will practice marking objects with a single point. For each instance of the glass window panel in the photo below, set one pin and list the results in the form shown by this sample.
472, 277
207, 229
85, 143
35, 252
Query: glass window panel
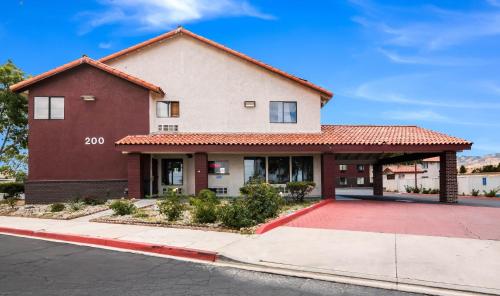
361, 168
255, 168
218, 167
174, 109
56, 108
172, 172
289, 112
41, 108
162, 109
276, 111
360, 181
302, 168
278, 170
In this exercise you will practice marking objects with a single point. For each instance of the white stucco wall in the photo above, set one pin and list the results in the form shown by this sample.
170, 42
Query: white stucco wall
212, 85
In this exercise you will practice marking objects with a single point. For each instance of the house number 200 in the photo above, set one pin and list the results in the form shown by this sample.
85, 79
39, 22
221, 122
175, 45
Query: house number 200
94, 140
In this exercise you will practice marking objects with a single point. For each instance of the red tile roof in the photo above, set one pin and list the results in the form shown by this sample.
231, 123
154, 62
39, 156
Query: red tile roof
402, 169
179, 31
20, 86
329, 135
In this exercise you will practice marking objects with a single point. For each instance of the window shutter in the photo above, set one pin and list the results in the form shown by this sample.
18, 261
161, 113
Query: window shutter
174, 109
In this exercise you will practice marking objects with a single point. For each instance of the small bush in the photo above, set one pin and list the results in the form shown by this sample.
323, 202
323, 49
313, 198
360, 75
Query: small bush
434, 191
140, 214
122, 207
416, 190
12, 189
208, 195
171, 206
235, 214
426, 190
57, 207
491, 193
76, 205
204, 207
409, 189
475, 192
12, 202
91, 201
262, 201
298, 190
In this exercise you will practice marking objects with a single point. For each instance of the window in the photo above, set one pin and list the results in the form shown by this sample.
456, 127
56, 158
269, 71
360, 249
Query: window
360, 168
391, 177
219, 190
255, 168
172, 172
278, 170
168, 128
49, 108
302, 168
425, 165
343, 181
360, 180
283, 112
218, 167
343, 168
167, 109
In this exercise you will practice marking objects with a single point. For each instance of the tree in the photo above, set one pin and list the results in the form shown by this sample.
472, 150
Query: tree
13, 122
463, 169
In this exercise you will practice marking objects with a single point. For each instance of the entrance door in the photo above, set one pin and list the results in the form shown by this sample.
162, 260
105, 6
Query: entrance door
154, 167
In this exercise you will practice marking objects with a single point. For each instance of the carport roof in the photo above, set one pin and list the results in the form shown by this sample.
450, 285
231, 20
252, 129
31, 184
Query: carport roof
365, 135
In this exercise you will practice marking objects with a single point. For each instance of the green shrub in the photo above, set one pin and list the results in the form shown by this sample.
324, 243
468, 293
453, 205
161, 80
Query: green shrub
491, 193
140, 214
426, 190
12, 202
235, 214
171, 206
475, 192
207, 195
298, 190
92, 201
204, 207
416, 190
122, 207
434, 191
262, 201
203, 211
76, 205
409, 189
12, 189
57, 207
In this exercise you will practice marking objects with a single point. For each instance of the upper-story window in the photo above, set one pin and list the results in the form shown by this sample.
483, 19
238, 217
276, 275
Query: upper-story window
49, 108
343, 168
167, 109
360, 168
283, 112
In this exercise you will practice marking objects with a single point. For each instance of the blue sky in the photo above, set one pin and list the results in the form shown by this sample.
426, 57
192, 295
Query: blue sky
430, 63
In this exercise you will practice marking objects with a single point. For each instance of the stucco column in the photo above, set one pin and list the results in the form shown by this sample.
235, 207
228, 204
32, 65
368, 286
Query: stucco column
135, 184
328, 175
378, 180
448, 184
200, 171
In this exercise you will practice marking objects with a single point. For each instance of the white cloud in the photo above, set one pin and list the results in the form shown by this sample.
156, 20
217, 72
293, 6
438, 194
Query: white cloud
417, 90
422, 60
105, 45
431, 116
151, 15
442, 28
494, 2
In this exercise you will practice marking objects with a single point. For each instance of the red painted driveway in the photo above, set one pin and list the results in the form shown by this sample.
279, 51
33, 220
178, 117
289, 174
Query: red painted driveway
405, 218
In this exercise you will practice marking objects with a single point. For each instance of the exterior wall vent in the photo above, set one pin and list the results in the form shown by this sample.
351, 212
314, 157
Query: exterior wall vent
250, 104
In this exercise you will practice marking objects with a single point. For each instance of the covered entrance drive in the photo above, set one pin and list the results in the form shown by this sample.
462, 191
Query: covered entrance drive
374, 145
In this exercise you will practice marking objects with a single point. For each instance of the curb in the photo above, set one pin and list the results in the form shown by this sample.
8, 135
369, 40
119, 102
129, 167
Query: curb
119, 244
285, 219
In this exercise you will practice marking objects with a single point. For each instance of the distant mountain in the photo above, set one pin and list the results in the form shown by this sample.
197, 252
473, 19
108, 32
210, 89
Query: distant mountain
472, 162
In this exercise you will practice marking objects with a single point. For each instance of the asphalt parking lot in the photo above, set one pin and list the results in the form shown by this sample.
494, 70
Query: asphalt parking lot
37, 267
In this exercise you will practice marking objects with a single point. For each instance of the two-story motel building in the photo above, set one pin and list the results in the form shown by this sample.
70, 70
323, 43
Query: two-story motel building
182, 111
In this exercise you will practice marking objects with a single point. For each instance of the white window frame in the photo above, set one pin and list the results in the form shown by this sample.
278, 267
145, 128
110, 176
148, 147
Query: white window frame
360, 180
50, 103
168, 105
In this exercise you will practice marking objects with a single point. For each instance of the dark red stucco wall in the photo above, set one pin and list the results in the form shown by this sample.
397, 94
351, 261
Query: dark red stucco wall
57, 149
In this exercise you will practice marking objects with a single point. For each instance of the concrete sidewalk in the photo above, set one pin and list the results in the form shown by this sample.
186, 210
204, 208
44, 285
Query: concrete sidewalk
450, 263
